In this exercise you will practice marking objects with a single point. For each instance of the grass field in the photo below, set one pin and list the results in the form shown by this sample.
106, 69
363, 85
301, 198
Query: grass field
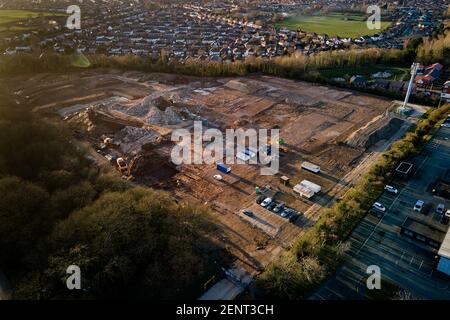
9, 18
332, 24
397, 72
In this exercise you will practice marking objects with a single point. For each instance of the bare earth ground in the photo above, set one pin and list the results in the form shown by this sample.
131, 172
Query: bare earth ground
315, 123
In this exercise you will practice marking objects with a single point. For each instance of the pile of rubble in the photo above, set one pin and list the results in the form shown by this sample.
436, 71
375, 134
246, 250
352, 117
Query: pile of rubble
158, 110
132, 138
83, 121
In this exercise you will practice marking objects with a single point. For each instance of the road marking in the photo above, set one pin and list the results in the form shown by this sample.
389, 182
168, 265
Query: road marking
423, 162
379, 222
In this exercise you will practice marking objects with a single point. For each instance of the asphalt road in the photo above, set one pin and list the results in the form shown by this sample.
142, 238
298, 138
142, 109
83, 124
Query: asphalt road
377, 241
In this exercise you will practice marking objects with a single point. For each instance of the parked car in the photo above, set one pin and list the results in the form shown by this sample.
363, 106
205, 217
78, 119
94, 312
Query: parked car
260, 199
376, 213
293, 217
287, 213
445, 217
272, 206
279, 208
266, 202
391, 189
379, 206
218, 177
419, 205
440, 208
248, 213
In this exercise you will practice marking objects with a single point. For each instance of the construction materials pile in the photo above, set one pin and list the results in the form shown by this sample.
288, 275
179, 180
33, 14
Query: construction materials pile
157, 109
381, 129
132, 139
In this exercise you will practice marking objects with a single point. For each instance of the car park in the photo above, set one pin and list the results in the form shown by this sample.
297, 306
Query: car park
279, 208
391, 189
260, 199
376, 213
379, 206
293, 217
287, 213
445, 217
419, 206
272, 205
266, 202
440, 208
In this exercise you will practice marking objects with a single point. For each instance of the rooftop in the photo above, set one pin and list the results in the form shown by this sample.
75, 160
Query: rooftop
426, 230
444, 251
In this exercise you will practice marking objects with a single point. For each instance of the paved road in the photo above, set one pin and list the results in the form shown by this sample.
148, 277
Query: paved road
229, 288
404, 262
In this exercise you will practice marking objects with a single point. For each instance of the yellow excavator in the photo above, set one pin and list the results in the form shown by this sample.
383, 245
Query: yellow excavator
127, 169
280, 144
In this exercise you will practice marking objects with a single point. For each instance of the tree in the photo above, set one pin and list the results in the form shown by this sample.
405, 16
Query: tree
24, 217
127, 244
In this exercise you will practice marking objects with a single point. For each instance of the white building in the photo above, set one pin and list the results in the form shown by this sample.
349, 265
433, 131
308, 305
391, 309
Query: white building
444, 254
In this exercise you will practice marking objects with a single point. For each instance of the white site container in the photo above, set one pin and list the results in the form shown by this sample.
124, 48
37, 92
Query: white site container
310, 167
311, 186
303, 191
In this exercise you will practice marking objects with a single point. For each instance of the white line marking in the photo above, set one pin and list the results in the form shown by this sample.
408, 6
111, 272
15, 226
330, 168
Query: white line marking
379, 222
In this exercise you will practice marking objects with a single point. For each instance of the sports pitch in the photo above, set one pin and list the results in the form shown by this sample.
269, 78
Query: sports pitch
332, 24
9, 18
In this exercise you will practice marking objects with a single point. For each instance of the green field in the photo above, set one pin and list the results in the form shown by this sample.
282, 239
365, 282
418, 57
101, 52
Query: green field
398, 73
9, 18
332, 24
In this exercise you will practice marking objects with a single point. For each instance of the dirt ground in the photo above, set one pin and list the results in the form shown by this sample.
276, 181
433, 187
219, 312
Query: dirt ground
315, 122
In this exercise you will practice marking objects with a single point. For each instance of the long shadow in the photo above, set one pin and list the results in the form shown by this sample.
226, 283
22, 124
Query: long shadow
253, 262
233, 186
324, 200
329, 177
262, 221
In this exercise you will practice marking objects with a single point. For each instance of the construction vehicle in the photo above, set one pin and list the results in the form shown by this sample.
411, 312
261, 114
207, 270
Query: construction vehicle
280, 143
122, 165
284, 149
127, 174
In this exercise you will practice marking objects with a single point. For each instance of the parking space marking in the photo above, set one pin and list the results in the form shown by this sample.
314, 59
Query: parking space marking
379, 222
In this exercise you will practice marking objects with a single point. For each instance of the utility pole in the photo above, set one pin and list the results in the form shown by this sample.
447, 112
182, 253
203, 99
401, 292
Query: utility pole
414, 68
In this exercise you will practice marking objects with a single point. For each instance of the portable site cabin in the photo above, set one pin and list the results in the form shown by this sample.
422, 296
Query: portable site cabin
311, 186
303, 191
310, 167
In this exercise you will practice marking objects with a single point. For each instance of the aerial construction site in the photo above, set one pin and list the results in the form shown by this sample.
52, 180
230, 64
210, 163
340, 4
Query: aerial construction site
126, 119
